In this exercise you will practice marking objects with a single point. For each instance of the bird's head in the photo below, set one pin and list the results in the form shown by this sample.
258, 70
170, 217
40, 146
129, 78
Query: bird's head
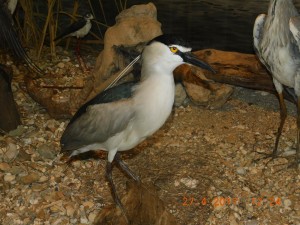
169, 52
88, 16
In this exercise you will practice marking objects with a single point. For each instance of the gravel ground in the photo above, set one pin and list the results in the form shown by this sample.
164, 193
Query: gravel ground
202, 164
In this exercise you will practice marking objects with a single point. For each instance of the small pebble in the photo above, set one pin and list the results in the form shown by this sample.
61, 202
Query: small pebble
9, 177
30, 178
17, 132
92, 216
287, 203
241, 171
252, 222
190, 183
289, 152
46, 151
70, 210
4, 166
60, 65
11, 152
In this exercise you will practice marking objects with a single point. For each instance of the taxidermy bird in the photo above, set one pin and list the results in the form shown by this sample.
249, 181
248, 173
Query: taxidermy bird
277, 45
122, 124
9, 38
78, 29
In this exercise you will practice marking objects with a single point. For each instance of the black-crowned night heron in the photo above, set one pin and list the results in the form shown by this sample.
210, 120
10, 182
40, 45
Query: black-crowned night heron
9, 38
121, 125
277, 42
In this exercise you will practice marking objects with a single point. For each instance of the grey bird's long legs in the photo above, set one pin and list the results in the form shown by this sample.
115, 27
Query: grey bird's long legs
283, 115
297, 161
79, 58
109, 167
125, 168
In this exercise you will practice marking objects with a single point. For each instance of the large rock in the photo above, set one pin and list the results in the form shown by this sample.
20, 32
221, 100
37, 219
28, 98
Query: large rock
202, 91
134, 27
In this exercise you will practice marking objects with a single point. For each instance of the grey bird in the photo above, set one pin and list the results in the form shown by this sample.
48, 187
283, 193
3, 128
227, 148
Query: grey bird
122, 124
277, 45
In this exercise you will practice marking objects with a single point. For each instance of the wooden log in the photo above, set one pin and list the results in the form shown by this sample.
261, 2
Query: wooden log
238, 69
232, 68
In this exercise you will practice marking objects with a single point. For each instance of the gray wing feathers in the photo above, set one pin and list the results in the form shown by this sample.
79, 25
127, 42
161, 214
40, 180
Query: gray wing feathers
97, 124
258, 31
295, 29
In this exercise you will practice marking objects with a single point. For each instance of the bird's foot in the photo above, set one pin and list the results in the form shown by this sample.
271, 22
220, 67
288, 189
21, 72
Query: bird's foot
121, 207
295, 164
116, 199
270, 156
126, 169
285, 155
82, 64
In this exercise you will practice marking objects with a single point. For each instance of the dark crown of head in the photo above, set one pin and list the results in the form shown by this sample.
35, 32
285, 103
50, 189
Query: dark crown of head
168, 40
87, 14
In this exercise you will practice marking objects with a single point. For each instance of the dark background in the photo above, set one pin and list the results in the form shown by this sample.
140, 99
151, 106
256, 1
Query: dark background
219, 24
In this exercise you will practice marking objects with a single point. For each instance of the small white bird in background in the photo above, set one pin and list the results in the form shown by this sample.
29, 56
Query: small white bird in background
277, 45
122, 124
78, 29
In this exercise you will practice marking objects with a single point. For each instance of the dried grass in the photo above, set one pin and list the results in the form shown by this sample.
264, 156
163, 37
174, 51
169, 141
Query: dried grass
35, 35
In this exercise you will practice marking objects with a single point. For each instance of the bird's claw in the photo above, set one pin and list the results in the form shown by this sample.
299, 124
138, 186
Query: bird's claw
270, 156
295, 164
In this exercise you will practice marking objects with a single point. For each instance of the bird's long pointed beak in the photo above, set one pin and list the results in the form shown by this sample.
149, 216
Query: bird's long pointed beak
190, 58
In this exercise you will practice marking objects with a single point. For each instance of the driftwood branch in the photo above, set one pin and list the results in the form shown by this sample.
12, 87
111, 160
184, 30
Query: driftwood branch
238, 69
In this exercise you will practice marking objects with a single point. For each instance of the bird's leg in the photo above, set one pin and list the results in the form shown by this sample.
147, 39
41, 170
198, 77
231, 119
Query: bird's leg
77, 49
125, 167
109, 167
283, 115
297, 162
79, 58
298, 133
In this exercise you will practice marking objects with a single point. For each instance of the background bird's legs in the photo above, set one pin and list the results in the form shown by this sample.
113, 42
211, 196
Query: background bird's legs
126, 168
109, 167
79, 58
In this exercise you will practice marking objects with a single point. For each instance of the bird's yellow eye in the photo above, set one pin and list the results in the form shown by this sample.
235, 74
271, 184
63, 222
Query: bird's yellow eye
173, 49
